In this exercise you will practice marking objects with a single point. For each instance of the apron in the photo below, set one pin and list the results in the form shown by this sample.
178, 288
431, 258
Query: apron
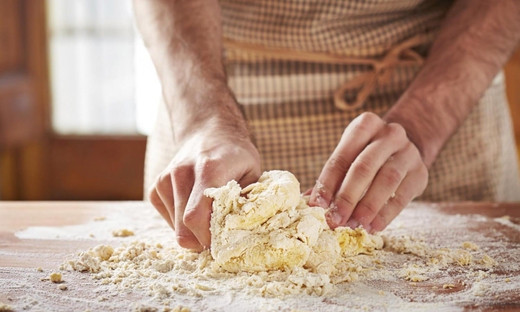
303, 70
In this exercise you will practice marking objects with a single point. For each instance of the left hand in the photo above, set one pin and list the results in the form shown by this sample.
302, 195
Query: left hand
373, 173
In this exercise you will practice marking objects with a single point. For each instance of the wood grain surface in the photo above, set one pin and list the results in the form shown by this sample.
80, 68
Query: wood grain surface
20, 284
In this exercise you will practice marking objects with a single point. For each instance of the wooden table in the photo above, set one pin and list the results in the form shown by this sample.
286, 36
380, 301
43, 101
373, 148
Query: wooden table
21, 252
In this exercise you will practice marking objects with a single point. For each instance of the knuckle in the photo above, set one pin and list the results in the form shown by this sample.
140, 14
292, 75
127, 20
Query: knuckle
368, 207
338, 163
177, 172
163, 179
380, 222
369, 118
400, 200
362, 167
207, 162
366, 121
412, 150
154, 198
186, 241
191, 217
396, 130
344, 200
210, 165
163, 184
392, 176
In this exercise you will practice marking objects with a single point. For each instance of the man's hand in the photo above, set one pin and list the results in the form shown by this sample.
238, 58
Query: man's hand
207, 159
374, 172
186, 49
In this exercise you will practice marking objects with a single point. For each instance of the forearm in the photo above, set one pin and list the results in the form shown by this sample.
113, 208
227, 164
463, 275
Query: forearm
473, 44
184, 41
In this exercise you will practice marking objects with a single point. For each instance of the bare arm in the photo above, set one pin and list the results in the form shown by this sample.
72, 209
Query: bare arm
184, 40
380, 165
476, 40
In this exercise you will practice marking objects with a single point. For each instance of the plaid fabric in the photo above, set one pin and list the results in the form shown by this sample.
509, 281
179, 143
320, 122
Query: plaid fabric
289, 105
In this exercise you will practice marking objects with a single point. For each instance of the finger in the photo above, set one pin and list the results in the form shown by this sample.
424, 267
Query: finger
307, 192
156, 201
363, 171
384, 186
164, 189
197, 215
250, 177
355, 138
404, 194
182, 181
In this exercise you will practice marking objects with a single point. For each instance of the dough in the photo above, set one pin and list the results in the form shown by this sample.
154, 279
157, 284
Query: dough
269, 226
55, 277
122, 233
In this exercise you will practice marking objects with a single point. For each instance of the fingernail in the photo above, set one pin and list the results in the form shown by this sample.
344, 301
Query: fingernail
318, 200
334, 217
352, 224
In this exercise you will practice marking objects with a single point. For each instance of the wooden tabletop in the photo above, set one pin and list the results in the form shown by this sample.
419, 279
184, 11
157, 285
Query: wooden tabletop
23, 249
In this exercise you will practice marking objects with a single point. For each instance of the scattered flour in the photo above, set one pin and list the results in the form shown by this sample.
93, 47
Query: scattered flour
271, 251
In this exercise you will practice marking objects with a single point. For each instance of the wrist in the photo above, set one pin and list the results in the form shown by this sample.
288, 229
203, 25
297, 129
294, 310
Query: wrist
420, 127
208, 110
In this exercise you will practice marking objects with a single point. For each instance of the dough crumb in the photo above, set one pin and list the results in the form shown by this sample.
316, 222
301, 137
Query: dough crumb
470, 246
62, 287
181, 309
487, 261
39, 269
448, 286
122, 233
4, 307
140, 307
100, 218
55, 277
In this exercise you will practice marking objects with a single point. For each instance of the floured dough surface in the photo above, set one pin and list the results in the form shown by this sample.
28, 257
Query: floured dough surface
269, 226
272, 252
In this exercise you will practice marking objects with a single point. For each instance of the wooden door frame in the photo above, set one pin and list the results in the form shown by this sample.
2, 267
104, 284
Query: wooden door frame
55, 167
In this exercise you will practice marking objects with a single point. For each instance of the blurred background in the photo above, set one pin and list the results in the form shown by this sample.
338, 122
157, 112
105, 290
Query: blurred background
78, 95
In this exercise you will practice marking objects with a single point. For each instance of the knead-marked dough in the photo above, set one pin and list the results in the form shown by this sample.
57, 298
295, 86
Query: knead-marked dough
269, 226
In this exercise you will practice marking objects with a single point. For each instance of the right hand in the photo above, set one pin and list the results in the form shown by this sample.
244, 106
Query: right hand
209, 158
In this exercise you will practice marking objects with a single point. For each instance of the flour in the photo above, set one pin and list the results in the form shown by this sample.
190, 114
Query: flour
408, 273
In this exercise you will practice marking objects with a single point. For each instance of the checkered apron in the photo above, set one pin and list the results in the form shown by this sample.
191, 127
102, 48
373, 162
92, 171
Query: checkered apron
302, 70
